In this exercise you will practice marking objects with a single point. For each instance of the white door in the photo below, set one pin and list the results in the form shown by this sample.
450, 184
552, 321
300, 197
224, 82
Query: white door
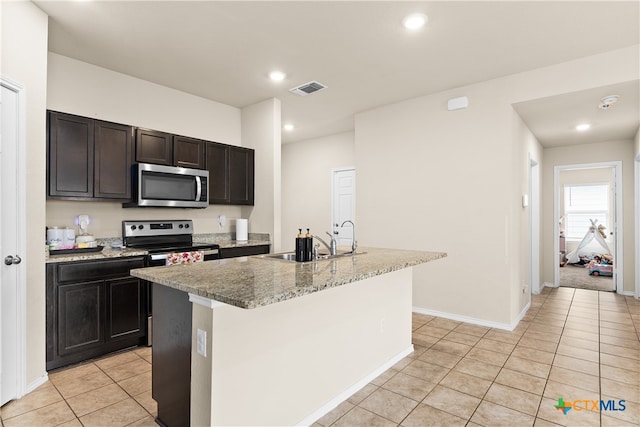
10, 267
344, 205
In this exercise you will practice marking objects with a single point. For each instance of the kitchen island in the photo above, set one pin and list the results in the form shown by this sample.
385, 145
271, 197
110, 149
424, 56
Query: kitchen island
265, 341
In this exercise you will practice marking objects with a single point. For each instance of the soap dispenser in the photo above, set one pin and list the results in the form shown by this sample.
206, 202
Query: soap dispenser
308, 247
301, 243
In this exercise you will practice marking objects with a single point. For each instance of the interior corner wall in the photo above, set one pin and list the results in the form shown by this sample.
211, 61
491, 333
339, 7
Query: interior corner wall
526, 149
261, 130
306, 183
24, 61
432, 179
76, 87
590, 153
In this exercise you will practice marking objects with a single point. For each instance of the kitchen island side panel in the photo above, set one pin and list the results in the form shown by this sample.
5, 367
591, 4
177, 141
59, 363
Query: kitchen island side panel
171, 352
290, 362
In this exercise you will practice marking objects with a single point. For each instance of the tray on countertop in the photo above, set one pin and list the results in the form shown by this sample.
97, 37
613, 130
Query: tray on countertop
75, 251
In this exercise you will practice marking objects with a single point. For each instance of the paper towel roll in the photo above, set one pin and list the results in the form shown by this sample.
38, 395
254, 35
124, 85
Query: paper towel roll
242, 227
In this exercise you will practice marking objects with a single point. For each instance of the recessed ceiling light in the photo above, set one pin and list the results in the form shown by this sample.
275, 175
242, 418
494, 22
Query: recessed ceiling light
414, 21
289, 127
277, 76
582, 127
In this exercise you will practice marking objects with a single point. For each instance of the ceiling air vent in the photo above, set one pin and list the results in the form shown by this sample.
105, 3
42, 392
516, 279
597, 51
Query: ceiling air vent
308, 88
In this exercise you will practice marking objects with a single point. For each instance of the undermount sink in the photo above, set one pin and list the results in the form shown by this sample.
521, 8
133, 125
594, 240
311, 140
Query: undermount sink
291, 256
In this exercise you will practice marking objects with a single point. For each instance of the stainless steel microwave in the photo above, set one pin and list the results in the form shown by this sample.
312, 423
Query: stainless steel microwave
170, 186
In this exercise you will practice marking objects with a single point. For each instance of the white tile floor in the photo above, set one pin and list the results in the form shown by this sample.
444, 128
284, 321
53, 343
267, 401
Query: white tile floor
575, 344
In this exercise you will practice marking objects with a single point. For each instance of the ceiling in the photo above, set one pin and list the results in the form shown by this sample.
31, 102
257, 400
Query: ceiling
224, 51
553, 120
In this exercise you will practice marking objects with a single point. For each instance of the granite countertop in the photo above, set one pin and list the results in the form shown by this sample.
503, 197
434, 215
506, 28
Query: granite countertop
250, 282
225, 240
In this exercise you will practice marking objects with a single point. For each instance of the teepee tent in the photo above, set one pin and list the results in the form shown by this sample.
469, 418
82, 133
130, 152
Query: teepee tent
592, 243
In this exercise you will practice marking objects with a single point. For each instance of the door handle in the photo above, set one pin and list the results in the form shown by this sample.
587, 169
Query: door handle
9, 260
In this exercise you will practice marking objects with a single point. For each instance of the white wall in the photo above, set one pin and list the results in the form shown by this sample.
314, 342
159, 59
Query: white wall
591, 153
306, 183
453, 181
261, 130
76, 87
24, 61
433, 179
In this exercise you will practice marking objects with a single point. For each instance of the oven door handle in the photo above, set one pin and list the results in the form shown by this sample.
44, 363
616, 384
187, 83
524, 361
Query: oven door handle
157, 257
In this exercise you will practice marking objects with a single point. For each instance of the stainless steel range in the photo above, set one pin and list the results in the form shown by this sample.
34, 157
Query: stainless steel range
160, 238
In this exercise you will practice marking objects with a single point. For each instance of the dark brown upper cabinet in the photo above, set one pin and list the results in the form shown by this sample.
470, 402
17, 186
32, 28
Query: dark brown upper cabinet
231, 174
163, 148
87, 158
188, 152
241, 179
70, 156
153, 146
113, 150
218, 167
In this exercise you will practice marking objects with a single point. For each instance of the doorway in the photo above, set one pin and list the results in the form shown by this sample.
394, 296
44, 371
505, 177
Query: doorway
588, 229
12, 236
343, 205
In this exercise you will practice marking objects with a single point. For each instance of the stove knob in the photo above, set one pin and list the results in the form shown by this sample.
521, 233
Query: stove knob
180, 226
186, 225
133, 227
141, 227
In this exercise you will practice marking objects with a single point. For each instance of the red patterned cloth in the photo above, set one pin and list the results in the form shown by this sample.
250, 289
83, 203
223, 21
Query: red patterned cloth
185, 257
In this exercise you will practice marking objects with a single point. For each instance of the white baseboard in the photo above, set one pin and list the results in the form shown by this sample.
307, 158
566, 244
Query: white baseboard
333, 403
473, 320
550, 285
37, 383
628, 293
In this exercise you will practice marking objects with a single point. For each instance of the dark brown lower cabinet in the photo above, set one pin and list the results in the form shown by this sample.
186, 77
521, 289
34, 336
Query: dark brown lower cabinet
80, 317
93, 308
244, 251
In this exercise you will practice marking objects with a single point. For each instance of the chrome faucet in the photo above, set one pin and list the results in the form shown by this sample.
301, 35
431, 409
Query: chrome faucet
333, 248
354, 244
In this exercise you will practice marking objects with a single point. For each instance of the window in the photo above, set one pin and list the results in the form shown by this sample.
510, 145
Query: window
583, 203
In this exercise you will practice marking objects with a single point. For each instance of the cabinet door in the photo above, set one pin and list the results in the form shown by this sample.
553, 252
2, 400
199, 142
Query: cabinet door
244, 251
125, 309
70, 156
154, 147
218, 167
188, 152
80, 317
241, 176
113, 159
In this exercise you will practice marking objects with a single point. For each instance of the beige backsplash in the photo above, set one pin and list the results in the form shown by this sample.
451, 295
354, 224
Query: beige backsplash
106, 217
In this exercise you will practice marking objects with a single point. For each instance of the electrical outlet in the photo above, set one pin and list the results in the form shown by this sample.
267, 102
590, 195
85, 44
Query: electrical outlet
201, 338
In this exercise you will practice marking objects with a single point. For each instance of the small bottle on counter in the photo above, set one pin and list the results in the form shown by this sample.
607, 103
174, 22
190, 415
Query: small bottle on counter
300, 246
308, 246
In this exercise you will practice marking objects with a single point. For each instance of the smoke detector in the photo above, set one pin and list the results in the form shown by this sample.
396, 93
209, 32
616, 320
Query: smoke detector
608, 101
308, 88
